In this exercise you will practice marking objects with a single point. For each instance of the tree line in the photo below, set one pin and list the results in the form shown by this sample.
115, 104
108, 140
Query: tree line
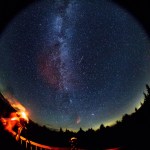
129, 133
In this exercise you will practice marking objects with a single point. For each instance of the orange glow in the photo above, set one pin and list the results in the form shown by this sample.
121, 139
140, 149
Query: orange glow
23, 115
21, 111
9, 124
15, 118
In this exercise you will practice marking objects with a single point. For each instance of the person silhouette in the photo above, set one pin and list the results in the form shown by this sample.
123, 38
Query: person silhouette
73, 142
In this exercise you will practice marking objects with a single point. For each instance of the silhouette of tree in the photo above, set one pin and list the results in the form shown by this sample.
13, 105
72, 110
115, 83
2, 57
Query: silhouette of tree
118, 122
61, 130
102, 127
148, 89
125, 117
80, 131
145, 96
130, 132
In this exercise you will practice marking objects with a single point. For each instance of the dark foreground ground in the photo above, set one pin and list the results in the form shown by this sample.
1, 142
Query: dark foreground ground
7, 142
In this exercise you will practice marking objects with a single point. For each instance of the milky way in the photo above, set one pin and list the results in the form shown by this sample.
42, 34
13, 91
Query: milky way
75, 63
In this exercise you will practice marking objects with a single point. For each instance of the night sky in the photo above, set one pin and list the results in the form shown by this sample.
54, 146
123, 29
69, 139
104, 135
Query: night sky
75, 63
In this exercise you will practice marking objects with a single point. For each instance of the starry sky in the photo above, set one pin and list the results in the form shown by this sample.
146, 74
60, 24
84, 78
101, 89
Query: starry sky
75, 63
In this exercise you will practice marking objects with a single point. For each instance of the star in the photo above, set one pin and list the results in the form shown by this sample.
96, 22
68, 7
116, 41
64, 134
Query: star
74, 63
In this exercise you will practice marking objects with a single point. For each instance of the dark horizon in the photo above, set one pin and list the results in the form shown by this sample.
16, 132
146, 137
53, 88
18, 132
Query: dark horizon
134, 126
